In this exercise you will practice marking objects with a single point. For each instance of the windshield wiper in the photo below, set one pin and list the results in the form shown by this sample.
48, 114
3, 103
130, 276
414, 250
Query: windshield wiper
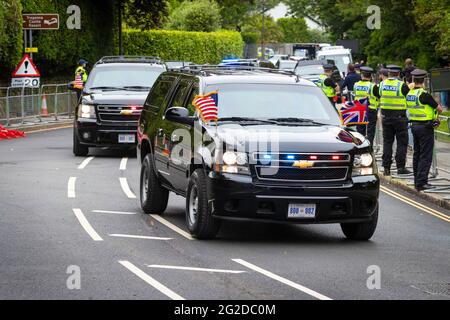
137, 88
245, 119
106, 88
298, 120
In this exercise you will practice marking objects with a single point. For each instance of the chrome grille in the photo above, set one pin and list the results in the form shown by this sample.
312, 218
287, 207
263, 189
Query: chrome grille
119, 113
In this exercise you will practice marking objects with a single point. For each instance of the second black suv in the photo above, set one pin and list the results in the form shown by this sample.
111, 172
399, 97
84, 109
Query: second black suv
277, 152
112, 100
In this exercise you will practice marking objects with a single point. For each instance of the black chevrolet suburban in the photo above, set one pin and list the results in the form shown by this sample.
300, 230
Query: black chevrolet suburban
112, 100
277, 153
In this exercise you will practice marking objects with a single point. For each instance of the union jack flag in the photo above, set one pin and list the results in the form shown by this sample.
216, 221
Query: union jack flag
207, 106
355, 112
78, 84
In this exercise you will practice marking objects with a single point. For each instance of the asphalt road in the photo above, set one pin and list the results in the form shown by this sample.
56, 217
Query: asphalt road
57, 211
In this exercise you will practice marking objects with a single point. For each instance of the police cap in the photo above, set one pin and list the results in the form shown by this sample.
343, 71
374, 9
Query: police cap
419, 73
81, 62
357, 66
394, 68
384, 71
328, 66
366, 70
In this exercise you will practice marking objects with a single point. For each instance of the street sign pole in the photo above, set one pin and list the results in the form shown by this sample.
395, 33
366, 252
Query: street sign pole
31, 43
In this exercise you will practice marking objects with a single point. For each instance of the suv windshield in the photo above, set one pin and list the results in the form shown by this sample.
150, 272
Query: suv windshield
271, 101
130, 77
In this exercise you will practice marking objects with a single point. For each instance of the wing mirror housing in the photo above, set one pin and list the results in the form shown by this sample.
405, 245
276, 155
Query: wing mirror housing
179, 115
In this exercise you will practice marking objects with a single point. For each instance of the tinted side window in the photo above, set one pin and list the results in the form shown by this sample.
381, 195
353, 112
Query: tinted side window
189, 106
158, 93
180, 94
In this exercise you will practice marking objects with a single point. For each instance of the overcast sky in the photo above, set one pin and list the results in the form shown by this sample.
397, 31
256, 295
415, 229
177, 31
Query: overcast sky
281, 10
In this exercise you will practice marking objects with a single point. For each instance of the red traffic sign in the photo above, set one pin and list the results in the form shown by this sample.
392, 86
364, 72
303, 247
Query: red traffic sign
26, 68
41, 21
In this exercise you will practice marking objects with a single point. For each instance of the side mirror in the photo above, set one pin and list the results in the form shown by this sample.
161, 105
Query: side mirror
179, 115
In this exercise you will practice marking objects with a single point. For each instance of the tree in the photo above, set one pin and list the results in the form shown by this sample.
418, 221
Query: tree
144, 14
234, 12
10, 33
294, 30
197, 15
273, 33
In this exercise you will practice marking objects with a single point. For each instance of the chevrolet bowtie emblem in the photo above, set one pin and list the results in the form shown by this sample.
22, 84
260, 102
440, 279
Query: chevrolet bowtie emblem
126, 112
302, 164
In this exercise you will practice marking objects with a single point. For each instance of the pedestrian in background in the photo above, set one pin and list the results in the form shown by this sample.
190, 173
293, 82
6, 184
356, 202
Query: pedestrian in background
367, 89
406, 73
393, 93
422, 112
81, 77
351, 78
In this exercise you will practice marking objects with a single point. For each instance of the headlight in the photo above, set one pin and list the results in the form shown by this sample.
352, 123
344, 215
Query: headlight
86, 111
363, 165
233, 162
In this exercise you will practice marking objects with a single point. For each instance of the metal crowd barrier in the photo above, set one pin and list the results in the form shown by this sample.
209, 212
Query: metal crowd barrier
18, 104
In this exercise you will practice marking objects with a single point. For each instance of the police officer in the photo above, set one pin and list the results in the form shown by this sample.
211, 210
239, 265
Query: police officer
366, 89
393, 93
328, 85
422, 112
80, 71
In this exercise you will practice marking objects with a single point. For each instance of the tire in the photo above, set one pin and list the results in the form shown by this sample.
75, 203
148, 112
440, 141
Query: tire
154, 196
200, 222
360, 231
79, 150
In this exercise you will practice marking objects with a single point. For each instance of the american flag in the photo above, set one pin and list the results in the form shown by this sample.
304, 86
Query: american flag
355, 112
78, 82
207, 106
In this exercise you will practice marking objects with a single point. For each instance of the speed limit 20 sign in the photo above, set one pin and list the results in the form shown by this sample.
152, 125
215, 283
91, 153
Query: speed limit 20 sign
26, 82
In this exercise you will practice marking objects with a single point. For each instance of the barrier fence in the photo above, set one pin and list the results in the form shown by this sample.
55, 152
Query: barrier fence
19, 104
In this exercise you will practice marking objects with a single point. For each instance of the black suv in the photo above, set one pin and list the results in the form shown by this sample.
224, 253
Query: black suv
277, 153
112, 101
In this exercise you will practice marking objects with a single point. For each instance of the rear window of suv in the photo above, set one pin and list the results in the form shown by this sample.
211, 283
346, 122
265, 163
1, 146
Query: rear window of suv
266, 101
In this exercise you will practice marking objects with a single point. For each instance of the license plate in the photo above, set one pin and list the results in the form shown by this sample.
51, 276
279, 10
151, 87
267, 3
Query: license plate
127, 138
302, 210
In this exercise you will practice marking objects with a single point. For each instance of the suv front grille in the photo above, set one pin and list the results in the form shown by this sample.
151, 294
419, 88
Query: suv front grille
322, 166
119, 113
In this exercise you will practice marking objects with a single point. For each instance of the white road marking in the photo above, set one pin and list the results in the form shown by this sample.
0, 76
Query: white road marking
282, 280
85, 163
137, 237
172, 226
155, 284
126, 188
86, 225
123, 164
194, 269
71, 188
113, 212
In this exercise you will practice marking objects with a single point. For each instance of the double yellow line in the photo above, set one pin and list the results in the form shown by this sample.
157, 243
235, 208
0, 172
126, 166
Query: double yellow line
415, 204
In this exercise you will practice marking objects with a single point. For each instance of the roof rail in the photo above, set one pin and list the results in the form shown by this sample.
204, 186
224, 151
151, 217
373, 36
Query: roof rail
130, 59
229, 69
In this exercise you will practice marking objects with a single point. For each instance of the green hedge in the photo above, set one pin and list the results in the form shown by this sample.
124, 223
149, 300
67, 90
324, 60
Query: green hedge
10, 34
197, 47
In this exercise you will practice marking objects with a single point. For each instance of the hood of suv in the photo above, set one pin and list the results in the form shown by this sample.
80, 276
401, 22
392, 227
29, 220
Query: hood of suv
299, 139
116, 97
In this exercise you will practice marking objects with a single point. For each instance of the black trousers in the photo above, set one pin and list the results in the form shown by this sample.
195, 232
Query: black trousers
370, 127
423, 134
395, 128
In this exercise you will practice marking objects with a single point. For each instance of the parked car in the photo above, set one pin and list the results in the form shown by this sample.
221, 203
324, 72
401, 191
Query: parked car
277, 153
312, 69
112, 101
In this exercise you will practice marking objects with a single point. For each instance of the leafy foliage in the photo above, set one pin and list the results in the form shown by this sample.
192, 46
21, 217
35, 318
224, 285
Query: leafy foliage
196, 15
198, 47
294, 30
10, 34
272, 31
144, 14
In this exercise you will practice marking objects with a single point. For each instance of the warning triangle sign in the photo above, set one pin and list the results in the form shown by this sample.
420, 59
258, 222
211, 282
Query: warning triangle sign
26, 68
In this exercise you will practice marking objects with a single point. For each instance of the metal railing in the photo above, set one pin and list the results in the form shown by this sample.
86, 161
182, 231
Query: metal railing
18, 104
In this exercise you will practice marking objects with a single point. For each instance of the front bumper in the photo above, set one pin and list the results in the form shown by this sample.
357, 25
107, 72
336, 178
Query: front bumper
238, 197
94, 134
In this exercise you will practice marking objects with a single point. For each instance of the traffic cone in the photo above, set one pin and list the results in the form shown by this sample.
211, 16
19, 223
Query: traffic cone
44, 110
